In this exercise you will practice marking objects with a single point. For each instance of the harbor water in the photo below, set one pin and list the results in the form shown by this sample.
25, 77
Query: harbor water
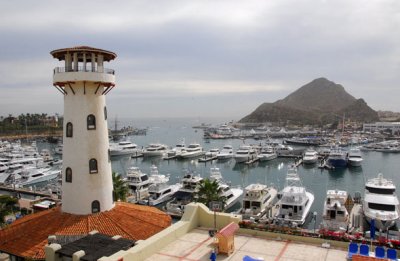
318, 181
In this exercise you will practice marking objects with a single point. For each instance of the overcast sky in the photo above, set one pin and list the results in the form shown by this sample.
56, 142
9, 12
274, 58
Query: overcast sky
202, 58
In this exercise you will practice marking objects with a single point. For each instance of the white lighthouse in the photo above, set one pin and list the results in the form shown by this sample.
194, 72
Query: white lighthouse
86, 174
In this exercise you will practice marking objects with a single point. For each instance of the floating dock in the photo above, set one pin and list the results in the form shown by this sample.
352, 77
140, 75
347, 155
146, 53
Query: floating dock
206, 159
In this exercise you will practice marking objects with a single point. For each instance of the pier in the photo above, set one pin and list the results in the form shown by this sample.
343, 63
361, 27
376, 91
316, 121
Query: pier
24, 191
206, 159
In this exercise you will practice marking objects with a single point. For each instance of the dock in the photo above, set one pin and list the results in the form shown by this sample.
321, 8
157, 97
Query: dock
24, 191
206, 159
252, 161
324, 165
137, 155
170, 158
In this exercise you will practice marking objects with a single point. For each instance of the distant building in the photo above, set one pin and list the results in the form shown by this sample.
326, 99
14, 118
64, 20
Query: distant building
394, 127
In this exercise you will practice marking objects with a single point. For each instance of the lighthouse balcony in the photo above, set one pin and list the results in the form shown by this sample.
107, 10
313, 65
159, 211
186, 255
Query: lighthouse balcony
98, 74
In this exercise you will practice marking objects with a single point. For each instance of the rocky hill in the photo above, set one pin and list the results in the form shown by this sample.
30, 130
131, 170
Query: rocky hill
318, 102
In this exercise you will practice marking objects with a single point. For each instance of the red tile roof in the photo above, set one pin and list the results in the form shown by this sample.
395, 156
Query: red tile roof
27, 236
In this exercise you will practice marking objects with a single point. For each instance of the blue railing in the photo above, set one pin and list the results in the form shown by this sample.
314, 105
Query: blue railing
82, 69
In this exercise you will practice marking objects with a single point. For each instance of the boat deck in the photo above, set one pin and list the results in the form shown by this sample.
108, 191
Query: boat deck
197, 245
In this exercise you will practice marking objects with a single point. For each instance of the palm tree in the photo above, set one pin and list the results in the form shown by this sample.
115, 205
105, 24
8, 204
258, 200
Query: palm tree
209, 191
6, 204
120, 189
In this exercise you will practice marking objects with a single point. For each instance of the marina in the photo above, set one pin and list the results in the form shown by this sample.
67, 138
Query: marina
270, 172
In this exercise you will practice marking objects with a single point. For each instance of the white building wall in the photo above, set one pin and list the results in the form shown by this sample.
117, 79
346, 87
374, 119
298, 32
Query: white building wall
85, 144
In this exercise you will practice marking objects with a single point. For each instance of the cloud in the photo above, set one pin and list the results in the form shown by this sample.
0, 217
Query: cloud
179, 50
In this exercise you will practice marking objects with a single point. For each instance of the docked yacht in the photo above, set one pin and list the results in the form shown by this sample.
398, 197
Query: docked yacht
154, 150
337, 158
59, 149
258, 201
225, 153
381, 202
310, 156
231, 195
184, 195
283, 150
32, 175
295, 201
123, 148
159, 191
245, 153
354, 157
267, 153
212, 153
335, 216
138, 183
177, 150
192, 151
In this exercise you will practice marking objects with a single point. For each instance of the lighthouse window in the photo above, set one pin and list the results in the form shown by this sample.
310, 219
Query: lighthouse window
95, 206
105, 112
91, 122
93, 166
68, 175
69, 129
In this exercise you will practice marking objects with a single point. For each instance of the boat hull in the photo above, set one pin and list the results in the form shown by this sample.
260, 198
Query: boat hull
337, 163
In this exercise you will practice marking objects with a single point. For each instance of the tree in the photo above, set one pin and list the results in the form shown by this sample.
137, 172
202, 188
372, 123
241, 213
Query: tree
120, 189
209, 190
6, 204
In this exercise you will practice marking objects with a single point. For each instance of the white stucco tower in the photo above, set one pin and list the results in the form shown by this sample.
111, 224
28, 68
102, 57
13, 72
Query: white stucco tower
86, 174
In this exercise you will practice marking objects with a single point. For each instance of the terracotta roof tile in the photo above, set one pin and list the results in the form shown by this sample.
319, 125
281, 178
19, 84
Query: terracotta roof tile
27, 236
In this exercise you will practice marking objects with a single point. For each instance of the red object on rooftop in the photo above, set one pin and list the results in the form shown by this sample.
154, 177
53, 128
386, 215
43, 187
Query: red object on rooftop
229, 229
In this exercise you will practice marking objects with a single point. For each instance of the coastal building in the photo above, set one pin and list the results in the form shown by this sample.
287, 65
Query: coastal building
87, 188
393, 127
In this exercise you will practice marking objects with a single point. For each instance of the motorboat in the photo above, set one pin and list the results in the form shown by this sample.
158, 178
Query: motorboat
159, 191
354, 157
232, 195
337, 158
32, 175
59, 149
123, 148
225, 153
46, 155
245, 153
212, 153
267, 153
177, 150
192, 151
335, 216
258, 201
380, 202
154, 150
310, 156
283, 150
138, 183
295, 201
185, 195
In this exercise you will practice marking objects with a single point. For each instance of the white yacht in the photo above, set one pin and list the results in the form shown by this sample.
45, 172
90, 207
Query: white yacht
159, 191
245, 153
32, 175
232, 195
295, 201
138, 183
381, 202
184, 195
258, 201
46, 155
283, 150
212, 153
59, 149
267, 153
177, 150
192, 151
335, 216
225, 153
123, 148
155, 150
310, 156
354, 157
